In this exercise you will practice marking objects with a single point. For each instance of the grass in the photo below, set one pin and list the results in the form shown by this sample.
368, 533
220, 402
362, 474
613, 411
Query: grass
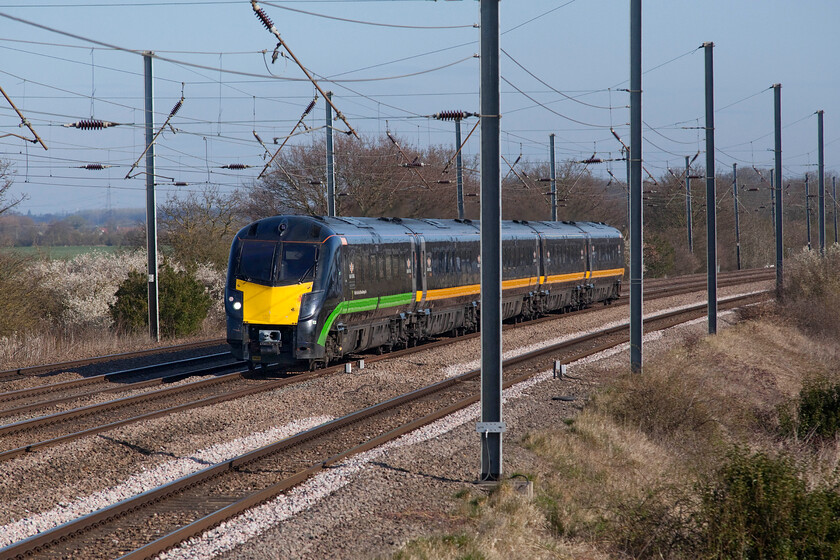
53, 346
60, 252
690, 459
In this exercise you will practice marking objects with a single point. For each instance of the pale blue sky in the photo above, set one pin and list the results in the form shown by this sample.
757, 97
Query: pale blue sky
579, 48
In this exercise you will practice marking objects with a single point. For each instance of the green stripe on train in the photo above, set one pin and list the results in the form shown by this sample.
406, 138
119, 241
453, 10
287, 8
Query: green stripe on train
358, 305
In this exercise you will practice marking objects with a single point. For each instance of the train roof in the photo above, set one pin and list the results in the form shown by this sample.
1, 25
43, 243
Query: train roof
319, 228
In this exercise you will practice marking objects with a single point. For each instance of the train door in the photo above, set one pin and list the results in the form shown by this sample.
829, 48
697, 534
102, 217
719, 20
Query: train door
543, 258
420, 271
587, 244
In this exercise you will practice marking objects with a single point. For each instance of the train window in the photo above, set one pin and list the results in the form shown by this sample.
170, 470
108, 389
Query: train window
297, 264
256, 261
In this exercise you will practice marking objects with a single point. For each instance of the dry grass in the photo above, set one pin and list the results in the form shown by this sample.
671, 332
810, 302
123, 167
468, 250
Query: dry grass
624, 478
505, 526
59, 345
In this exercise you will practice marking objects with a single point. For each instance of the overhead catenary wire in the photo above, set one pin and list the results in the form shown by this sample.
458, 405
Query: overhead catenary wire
376, 24
294, 128
172, 113
549, 109
266, 21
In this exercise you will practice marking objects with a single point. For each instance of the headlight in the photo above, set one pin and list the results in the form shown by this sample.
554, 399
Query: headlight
310, 303
233, 303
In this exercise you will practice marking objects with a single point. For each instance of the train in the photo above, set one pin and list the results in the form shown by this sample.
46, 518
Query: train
305, 291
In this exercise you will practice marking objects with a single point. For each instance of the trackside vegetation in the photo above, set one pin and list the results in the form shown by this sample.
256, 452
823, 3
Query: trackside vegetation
184, 302
725, 447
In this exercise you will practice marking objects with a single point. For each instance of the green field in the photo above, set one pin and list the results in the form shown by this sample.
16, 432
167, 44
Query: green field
68, 252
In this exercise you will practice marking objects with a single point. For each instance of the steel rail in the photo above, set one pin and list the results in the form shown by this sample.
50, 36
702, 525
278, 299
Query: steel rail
220, 368
91, 409
105, 377
43, 541
34, 370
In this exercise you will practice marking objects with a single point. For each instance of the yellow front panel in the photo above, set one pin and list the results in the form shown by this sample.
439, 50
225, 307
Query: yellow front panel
272, 306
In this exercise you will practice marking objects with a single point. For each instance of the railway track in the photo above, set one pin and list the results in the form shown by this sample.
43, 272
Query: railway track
651, 286
32, 398
156, 520
31, 434
12, 374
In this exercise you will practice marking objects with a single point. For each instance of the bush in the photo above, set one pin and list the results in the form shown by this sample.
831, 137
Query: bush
812, 291
817, 411
85, 285
25, 302
658, 256
183, 303
758, 507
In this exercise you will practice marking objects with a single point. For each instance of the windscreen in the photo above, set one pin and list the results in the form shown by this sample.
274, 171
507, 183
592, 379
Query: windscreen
297, 263
277, 264
256, 261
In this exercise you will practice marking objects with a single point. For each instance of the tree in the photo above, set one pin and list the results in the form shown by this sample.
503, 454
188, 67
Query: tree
200, 227
183, 303
6, 183
372, 179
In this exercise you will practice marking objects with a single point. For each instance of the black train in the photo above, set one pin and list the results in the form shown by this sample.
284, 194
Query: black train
302, 291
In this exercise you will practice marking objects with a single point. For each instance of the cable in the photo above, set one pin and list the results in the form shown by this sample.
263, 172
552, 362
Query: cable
550, 87
272, 4
537, 17
552, 110
383, 78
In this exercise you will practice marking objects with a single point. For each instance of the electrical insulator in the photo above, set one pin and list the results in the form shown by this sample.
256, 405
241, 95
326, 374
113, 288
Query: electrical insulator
444, 182
176, 108
263, 17
315, 182
309, 107
94, 166
180, 184
235, 166
451, 115
91, 124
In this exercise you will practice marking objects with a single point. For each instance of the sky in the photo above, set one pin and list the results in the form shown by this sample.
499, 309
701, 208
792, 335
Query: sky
390, 65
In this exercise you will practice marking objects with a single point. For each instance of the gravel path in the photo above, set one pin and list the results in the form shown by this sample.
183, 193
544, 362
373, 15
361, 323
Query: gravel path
48, 481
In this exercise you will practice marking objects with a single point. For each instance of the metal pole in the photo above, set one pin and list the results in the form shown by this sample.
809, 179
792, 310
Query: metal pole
330, 161
688, 205
491, 425
808, 212
834, 198
773, 200
737, 226
553, 176
821, 171
636, 258
711, 199
459, 172
777, 186
151, 205
627, 166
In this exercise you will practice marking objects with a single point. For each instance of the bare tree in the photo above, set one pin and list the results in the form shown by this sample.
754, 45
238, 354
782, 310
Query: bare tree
373, 178
6, 182
200, 227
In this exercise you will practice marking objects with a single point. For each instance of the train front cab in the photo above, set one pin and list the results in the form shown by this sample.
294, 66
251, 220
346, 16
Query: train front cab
281, 273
